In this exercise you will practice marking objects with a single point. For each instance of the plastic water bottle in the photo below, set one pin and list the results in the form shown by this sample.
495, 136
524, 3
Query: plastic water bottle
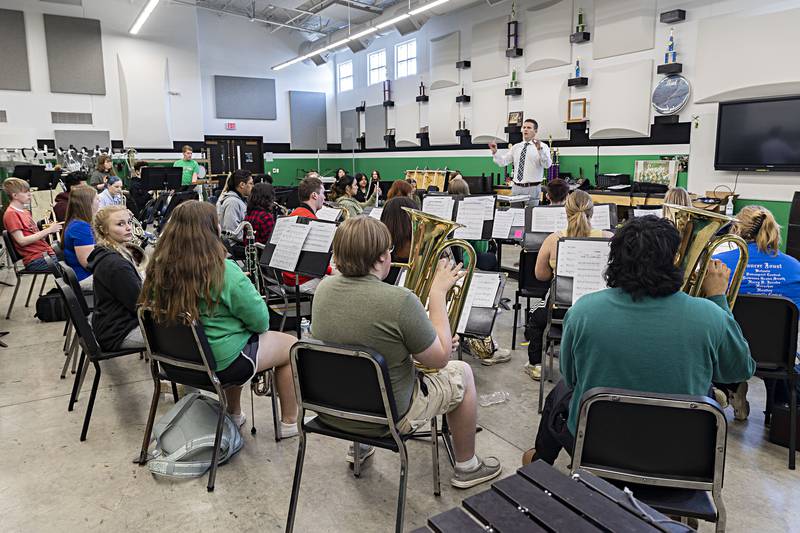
494, 397
305, 328
729, 206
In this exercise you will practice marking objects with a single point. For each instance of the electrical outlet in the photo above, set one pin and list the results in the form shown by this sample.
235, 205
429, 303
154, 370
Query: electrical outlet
275, 170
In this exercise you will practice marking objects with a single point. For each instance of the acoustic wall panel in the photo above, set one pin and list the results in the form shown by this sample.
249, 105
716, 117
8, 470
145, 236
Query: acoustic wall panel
443, 116
375, 125
545, 101
14, 73
308, 120
74, 55
444, 54
623, 26
144, 100
245, 98
407, 124
547, 29
620, 105
489, 115
489, 49
348, 121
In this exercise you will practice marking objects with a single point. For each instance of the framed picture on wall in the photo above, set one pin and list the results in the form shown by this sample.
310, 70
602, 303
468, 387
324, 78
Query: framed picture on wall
576, 110
515, 118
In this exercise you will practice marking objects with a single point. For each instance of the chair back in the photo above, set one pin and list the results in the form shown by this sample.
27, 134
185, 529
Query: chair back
670, 440
10, 249
349, 382
53, 265
527, 274
79, 320
182, 350
68, 275
769, 323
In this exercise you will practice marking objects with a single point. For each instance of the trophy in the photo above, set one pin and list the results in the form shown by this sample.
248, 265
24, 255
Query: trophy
387, 91
513, 83
671, 56
421, 88
581, 27
577, 67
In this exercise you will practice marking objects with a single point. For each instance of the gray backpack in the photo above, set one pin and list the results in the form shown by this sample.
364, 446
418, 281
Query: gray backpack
184, 438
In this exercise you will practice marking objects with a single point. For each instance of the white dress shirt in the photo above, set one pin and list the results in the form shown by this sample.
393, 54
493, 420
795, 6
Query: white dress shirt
535, 161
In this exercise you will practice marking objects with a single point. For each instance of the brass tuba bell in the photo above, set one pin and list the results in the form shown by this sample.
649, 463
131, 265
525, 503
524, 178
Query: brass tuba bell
699, 231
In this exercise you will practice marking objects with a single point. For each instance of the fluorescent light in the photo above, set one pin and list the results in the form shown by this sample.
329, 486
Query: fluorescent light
334, 45
392, 21
363, 33
143, 16
427, 6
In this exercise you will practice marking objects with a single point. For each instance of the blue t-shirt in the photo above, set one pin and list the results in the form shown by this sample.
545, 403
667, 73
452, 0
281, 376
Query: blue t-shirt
79, 233
777, 275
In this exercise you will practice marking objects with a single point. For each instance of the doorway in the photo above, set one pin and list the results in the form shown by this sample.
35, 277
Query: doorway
227, 154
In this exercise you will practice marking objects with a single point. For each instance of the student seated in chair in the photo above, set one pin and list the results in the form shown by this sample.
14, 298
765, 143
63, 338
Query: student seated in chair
29, 242
643, 333
232, 208
399, 329
556, 191
189, 275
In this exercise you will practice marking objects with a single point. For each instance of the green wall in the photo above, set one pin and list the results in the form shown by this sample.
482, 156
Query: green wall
779, 209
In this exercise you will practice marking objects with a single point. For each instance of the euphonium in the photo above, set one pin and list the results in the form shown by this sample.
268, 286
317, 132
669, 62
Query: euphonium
698, 229
428, 242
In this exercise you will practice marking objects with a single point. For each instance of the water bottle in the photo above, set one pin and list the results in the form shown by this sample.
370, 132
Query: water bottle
305, 328
729, 206
493, 398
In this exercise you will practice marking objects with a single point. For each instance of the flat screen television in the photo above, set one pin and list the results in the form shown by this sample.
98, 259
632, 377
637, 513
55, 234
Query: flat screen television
759, 135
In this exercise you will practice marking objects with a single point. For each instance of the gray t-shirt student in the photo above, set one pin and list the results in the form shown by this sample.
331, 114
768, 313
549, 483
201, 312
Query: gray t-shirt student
390, 320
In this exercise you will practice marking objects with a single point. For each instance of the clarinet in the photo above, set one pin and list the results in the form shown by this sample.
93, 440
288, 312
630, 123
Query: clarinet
250, 253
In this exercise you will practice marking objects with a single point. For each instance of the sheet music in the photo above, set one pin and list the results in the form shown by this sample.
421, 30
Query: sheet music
462, 322
439, 206
548, 219
320, 237
647, 212
471, 214
584, 262
483, 288
601, 217
328, 213
287, 252
519, 216
280, 225
376, 212
514, 199
488, 205
503, 220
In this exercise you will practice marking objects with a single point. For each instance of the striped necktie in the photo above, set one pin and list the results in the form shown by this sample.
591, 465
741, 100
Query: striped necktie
521, 166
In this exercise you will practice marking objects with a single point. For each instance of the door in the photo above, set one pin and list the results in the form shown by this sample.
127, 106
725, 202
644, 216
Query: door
227, 154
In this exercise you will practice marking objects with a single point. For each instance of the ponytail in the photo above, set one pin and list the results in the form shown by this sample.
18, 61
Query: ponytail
338, 188
757, 224
579, 209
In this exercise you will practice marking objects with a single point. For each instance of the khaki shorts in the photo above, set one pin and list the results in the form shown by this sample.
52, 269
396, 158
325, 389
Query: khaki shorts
445, 393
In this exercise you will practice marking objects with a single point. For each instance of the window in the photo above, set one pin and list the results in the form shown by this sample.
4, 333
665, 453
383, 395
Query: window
376, 62
406, 56
345, 75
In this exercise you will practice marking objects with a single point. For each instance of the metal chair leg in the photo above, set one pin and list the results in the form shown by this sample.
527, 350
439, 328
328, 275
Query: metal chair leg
67, 326
792, 423
67, 360
92, 397
212, 476
74, 396
82, 375
30, 291
276, 416
175, 396
253, 430
356, 459
13, 297
151, 417
514, 324
437, 487
44, 281
401, 496
298, 474
721, 512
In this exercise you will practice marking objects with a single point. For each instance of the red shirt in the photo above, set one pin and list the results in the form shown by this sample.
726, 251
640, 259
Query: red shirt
14, 220
302, 211
263, 223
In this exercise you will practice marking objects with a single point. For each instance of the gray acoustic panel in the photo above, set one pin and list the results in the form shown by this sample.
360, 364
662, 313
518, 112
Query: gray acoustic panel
14, 73
248, 98
349, 123
68, 2
81, 138
308, 119
74, 55
375, 123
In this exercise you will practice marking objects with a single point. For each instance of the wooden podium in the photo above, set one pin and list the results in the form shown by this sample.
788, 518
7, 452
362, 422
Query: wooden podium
428, 178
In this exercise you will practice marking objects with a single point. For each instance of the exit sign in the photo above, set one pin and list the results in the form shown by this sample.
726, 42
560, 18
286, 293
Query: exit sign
230, 125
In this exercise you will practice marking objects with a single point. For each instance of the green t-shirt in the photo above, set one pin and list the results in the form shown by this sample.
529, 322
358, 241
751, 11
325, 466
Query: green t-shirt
677, 344
390, 320
189, 168
240, 312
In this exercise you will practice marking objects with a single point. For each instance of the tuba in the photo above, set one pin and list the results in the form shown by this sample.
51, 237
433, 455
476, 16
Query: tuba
428, 242
699, 231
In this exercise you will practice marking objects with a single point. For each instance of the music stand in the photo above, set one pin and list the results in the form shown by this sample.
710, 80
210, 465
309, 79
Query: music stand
481, 319
488, 225
161, 178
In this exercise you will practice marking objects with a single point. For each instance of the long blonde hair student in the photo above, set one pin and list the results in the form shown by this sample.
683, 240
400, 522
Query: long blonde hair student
757, 224
580, 208
102, 235
678, 196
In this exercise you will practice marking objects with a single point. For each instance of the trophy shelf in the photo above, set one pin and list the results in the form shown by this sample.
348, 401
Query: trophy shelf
670, 68
422, 98
463, 99
514, 52
673, 16
388, 103
464, 64
578, 82
580, 37
514, 91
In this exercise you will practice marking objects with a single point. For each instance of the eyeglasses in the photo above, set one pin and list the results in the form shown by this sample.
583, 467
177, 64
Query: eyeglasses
391, 249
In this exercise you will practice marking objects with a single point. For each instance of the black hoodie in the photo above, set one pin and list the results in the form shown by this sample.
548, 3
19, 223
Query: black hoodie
116, 289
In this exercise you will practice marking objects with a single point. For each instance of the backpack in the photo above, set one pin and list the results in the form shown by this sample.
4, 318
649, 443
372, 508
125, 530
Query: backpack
184, 438
50, 307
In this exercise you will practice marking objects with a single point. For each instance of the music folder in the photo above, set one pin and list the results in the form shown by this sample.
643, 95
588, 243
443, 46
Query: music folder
480, 321
313, 264
580, 266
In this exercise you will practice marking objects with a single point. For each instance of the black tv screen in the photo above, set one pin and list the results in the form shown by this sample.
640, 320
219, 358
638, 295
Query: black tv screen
759, 135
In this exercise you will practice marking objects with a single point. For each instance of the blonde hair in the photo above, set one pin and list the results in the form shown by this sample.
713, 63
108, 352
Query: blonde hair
358, 244
579, 207
458, 186
757, 224
678, 196
15, 185
102, 236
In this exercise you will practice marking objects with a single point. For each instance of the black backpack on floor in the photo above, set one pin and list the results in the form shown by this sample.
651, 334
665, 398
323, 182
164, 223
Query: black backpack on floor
50, 307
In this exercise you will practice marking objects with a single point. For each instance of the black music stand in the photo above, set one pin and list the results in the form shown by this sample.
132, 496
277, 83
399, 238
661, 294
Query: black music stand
311, 264
481, 319
488, 225
161, 178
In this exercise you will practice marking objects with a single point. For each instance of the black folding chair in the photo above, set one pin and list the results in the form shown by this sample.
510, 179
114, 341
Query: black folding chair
362, 392
19, 273
63, 271
527, 287
282, 302
69, 337
89, 349
769, 323
668, 449
181, 354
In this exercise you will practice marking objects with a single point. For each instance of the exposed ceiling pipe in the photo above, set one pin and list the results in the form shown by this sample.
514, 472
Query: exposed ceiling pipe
247, 17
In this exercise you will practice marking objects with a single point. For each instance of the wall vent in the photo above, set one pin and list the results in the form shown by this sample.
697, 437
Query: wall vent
59, 117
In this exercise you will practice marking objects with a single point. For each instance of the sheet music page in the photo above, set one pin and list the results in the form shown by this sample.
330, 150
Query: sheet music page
601, 217
483, 288
516, 198
548, 219
488, 205
328, 213
376, 212
320, 237
280, 225
471, 214
287, 252
503, 220
462, 322
647, 212
519, 216
585, 262
438, 206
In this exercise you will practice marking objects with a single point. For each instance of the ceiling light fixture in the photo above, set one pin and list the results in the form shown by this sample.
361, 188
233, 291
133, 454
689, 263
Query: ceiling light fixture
144, 14
427, 6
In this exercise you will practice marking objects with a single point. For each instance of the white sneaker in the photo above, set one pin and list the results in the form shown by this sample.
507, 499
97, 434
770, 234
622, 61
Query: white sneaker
290, 430
239, 419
